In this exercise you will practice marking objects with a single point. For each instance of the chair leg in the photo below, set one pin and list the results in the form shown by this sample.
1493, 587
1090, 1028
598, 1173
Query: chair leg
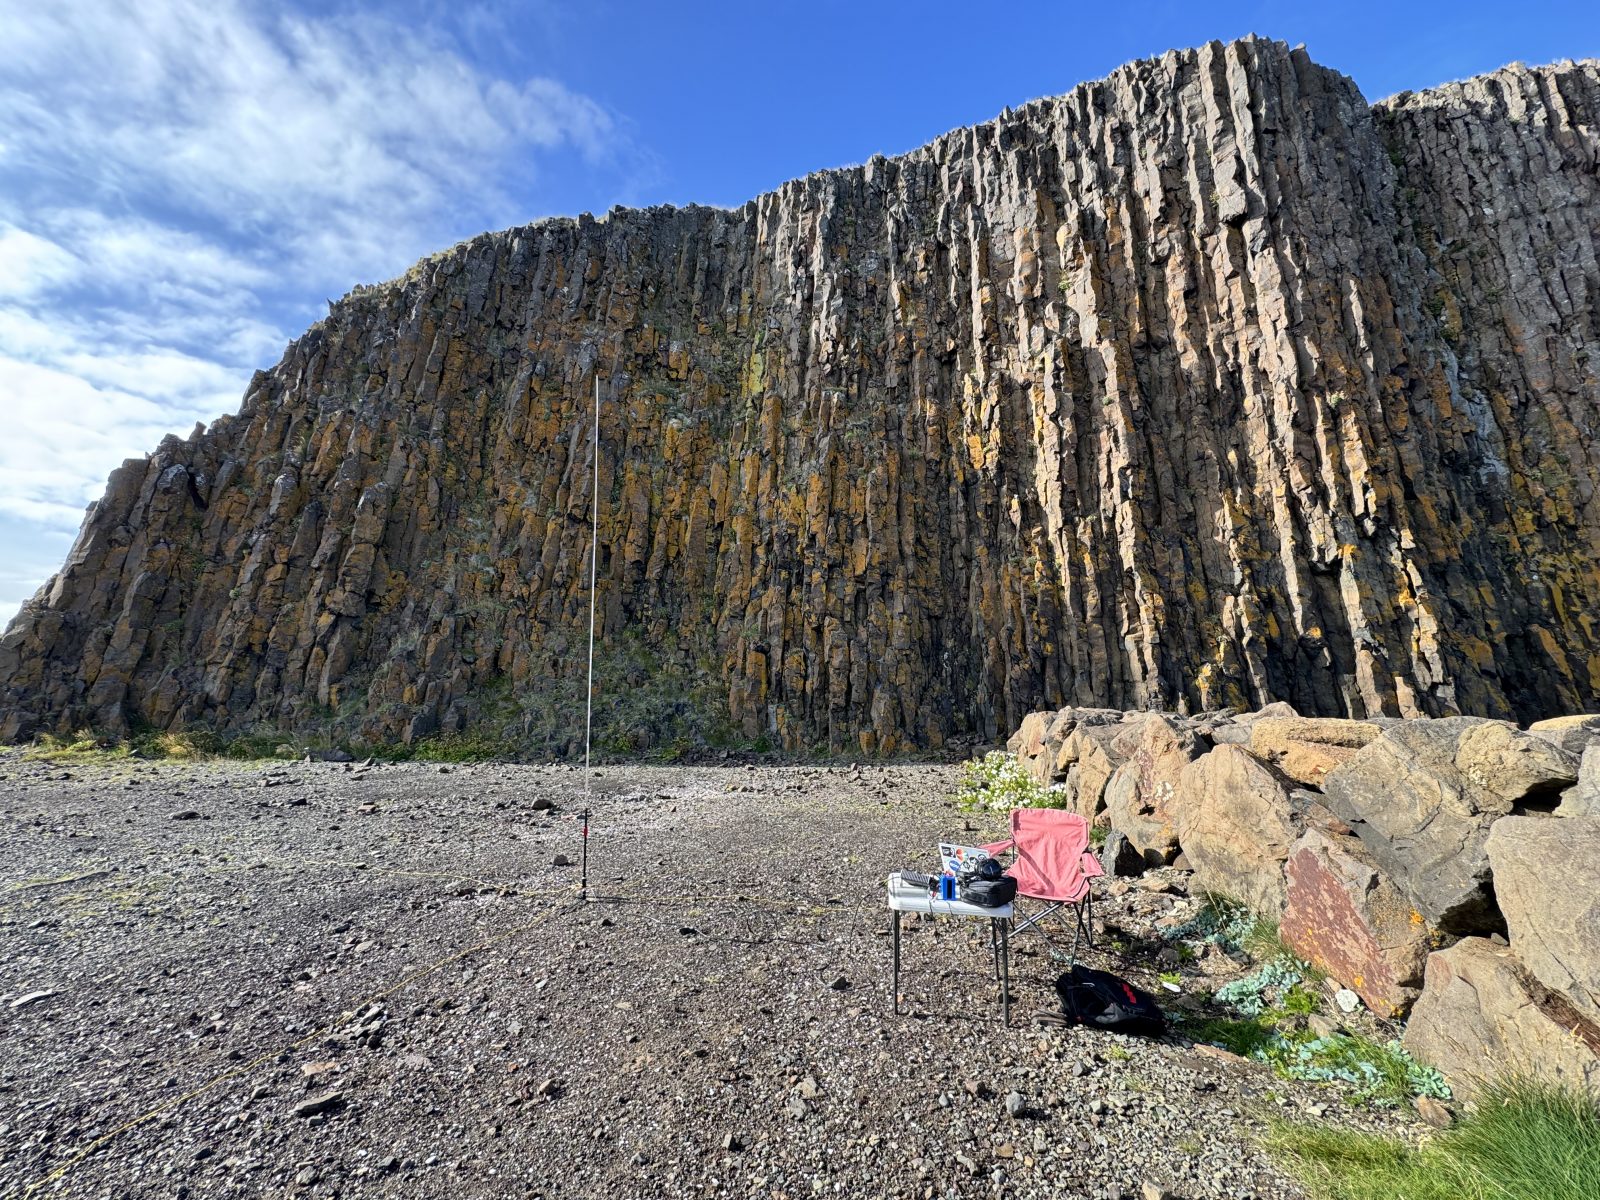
1030, 922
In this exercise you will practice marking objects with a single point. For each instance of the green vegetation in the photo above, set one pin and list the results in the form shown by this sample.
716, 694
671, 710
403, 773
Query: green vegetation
1267, 1011
1523, 1141
650, 703
87, 747
1232, 925
997, 782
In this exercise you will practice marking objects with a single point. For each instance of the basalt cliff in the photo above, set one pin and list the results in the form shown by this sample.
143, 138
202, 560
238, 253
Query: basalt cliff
1207, 385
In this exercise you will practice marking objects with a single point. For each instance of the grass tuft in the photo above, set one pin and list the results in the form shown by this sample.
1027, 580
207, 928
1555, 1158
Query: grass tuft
87, 748
1525, 1140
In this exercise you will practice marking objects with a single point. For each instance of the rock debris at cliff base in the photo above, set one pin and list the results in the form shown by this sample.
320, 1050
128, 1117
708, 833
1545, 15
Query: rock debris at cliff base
1208, 384
629, 1050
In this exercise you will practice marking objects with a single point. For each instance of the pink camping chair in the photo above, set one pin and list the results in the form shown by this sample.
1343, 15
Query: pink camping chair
1053, 865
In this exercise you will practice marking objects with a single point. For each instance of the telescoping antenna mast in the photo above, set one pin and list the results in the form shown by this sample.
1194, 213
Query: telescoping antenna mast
594, 560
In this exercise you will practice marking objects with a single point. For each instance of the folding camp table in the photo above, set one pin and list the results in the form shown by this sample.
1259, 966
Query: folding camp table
904, 898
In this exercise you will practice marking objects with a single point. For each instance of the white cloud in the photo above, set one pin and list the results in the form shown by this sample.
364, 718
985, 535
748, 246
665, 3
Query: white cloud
30, 264
182, 185
352, 124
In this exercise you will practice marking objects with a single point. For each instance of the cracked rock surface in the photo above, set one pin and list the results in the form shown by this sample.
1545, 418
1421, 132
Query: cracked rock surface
1207, 384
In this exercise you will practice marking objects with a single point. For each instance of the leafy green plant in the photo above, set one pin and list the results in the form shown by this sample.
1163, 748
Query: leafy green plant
1232, 925
1268, 1005
1299, 1001
997, 782
1525, 1140
1381, 1074
472, 746
1248, 996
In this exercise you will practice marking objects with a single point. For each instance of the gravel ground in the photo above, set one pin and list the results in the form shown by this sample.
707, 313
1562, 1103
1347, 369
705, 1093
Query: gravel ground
312, 979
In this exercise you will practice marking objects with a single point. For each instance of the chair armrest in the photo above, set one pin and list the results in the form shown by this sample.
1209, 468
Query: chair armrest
1090, 863
995, 849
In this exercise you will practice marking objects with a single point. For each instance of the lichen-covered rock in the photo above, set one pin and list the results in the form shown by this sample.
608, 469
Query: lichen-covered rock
1086, 760
1574, 733
1044, 743
1142, 795
1307, 748
1514, 767
1235, 823
1423, 796
1583, 798
1202, 386
1482, 1015
1342, 914
1547, 883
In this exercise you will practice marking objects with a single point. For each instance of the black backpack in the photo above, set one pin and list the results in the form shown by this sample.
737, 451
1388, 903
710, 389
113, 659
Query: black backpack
1102, 1001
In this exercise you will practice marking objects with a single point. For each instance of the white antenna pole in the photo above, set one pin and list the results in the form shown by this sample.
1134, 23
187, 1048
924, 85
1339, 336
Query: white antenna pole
594, 563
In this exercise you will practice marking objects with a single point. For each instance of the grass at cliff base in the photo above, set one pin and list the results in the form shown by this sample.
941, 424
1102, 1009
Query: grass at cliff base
1525, 1140
87, 748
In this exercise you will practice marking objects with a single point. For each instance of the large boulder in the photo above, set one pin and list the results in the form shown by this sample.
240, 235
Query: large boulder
1547, 882
1032, 745
1029, 737
1342, 914
1086, 760
1582, 799
1423, 796
1574, 734
1040, 742
1233, 729
1482, 1014
1515, 768
1141, 795
1235, 823
1307, 748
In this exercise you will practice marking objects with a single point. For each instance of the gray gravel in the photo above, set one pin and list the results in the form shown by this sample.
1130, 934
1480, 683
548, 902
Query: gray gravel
336, 980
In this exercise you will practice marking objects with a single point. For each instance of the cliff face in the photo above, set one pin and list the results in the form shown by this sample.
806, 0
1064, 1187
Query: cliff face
1207, 384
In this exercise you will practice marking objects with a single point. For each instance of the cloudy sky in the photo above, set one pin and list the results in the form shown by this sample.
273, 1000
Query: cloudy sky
184, 185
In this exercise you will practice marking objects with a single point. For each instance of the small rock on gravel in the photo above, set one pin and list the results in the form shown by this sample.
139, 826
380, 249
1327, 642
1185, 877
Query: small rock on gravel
1016, 1105
186, 814
320, 1103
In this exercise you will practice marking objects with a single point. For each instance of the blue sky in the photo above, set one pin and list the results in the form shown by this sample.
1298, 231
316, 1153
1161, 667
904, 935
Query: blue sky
185, 183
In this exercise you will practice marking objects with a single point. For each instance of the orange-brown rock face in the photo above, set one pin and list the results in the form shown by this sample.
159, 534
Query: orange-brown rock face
1208, 384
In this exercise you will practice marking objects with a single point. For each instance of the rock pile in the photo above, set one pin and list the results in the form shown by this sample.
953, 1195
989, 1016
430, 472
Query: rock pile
1447, 868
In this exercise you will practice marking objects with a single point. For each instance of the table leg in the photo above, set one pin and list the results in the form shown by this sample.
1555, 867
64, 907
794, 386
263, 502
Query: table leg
1005, 984
994, 951
894, 996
